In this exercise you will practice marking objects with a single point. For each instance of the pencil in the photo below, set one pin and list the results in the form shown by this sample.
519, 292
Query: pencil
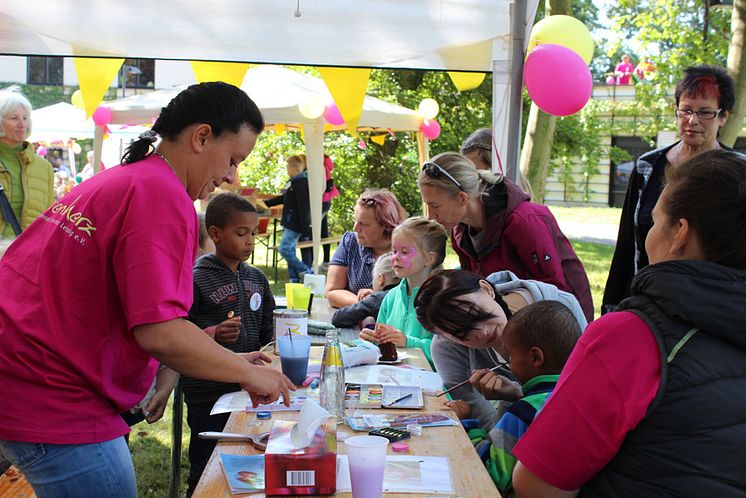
400, 399
467, 380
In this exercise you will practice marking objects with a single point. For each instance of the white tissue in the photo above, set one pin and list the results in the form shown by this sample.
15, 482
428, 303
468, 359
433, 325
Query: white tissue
311, 416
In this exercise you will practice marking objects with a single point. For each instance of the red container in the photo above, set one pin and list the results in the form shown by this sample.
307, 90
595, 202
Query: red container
301, 471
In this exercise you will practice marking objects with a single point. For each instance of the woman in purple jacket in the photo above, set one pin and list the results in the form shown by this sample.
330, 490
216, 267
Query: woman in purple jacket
494, 226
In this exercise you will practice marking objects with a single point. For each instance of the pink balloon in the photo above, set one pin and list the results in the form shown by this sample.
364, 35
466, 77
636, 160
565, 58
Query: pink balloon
430, 128
102, 116
557, 80
609, 80
41, 150
332, 114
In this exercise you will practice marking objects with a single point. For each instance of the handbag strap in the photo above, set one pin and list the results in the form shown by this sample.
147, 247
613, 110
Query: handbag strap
7, 211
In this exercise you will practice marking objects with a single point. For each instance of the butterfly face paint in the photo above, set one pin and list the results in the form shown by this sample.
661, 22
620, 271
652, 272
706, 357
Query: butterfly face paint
406, 257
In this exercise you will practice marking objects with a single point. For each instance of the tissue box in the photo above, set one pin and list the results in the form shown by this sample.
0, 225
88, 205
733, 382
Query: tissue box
301, 471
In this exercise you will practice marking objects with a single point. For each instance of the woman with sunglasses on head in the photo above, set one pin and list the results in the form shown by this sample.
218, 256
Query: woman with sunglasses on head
350, 276
704, 99
495, 227
648, 404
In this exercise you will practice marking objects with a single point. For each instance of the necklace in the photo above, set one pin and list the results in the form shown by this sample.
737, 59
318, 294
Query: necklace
166, 161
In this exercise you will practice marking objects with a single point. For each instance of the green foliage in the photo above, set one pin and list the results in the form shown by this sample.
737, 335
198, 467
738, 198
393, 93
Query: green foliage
393, 165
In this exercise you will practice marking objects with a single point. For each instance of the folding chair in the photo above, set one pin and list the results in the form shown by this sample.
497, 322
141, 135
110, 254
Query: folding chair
262, 237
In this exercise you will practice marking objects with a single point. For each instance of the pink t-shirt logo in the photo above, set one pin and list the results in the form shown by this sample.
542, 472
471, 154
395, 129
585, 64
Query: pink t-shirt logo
68, 212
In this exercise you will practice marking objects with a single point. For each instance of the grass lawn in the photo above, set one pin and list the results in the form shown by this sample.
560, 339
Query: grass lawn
150, 444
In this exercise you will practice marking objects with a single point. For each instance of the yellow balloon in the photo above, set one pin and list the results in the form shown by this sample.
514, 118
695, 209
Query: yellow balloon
428, 108
77, 100
563, 30
313, 107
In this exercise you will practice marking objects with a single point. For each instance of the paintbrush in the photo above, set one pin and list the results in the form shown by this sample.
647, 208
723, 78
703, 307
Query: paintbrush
467, 380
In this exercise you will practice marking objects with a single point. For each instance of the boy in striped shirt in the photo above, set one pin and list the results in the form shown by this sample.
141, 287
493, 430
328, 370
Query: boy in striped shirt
538, 339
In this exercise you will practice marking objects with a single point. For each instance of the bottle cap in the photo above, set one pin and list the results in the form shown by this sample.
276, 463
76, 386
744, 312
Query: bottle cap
263, 415
400, 447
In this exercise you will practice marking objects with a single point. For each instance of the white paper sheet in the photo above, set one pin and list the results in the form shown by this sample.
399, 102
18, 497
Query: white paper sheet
430, 382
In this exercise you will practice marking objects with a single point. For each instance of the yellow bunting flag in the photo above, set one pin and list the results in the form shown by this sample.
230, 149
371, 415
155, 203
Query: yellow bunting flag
229, 72
466, 81
302, 133
347, 86
379, 139
95, 77
279, 129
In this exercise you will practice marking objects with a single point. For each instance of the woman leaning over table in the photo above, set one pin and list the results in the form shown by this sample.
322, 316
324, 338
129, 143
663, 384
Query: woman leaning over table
495, 227
350, 277
650, 402
97, 290
26, 179
704, 99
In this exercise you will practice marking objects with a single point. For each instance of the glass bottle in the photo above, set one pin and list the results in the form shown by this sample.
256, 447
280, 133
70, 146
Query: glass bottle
332, 388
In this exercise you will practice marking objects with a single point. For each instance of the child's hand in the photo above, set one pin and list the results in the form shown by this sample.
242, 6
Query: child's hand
387, 333
154, 411
227, 332
363, 293
368, 335
461, 407
494, 386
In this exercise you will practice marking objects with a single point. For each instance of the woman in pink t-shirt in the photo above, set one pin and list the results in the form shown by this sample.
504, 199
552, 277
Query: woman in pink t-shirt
649, 403
96, 292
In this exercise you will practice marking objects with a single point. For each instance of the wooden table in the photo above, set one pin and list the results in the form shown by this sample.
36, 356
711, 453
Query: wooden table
468, 475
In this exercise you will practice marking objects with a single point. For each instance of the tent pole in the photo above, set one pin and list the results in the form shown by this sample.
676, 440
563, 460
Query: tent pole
314, 134
513, 94
98, 146
423, 153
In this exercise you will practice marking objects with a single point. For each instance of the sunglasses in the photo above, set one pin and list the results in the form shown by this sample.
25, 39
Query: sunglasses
434, 171
368, 202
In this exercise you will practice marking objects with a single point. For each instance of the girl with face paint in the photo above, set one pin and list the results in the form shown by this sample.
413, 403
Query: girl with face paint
418, 247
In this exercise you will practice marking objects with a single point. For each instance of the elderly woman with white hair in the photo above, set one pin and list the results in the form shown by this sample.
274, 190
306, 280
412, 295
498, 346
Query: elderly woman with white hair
26, 180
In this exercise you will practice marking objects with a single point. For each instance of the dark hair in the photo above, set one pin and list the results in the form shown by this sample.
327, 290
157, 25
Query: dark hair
438, 306
550, 326
709, 191
481, 142
222, 106
705, 80
222, 206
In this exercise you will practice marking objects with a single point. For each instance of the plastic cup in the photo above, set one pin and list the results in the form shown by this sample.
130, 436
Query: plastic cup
294, 351
366, 456
298, 295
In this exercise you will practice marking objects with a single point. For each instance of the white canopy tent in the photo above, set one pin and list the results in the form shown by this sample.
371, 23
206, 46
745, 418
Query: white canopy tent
278, 92
454, 35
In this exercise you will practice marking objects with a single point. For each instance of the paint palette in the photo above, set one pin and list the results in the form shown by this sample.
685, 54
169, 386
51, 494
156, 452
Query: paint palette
380, 396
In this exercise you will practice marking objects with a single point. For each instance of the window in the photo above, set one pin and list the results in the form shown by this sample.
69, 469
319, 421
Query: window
140, 73
44, 70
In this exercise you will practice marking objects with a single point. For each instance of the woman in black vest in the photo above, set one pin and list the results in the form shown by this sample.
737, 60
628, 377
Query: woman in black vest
650, 403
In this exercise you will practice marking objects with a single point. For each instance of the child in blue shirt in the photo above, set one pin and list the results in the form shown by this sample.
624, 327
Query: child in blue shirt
538, 340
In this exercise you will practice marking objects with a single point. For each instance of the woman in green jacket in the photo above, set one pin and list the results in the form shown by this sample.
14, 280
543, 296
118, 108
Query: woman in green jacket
27, 180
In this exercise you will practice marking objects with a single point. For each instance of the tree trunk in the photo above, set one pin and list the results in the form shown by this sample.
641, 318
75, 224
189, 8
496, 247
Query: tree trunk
737, 69
537, 143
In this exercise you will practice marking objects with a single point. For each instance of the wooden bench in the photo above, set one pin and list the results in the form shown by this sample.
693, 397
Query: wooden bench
303, 245
14, 485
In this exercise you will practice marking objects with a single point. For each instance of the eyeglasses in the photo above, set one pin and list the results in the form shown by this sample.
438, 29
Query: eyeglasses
687, 114
434, 171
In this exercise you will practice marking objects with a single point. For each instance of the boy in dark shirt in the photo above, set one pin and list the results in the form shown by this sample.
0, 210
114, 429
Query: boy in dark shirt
233, 304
